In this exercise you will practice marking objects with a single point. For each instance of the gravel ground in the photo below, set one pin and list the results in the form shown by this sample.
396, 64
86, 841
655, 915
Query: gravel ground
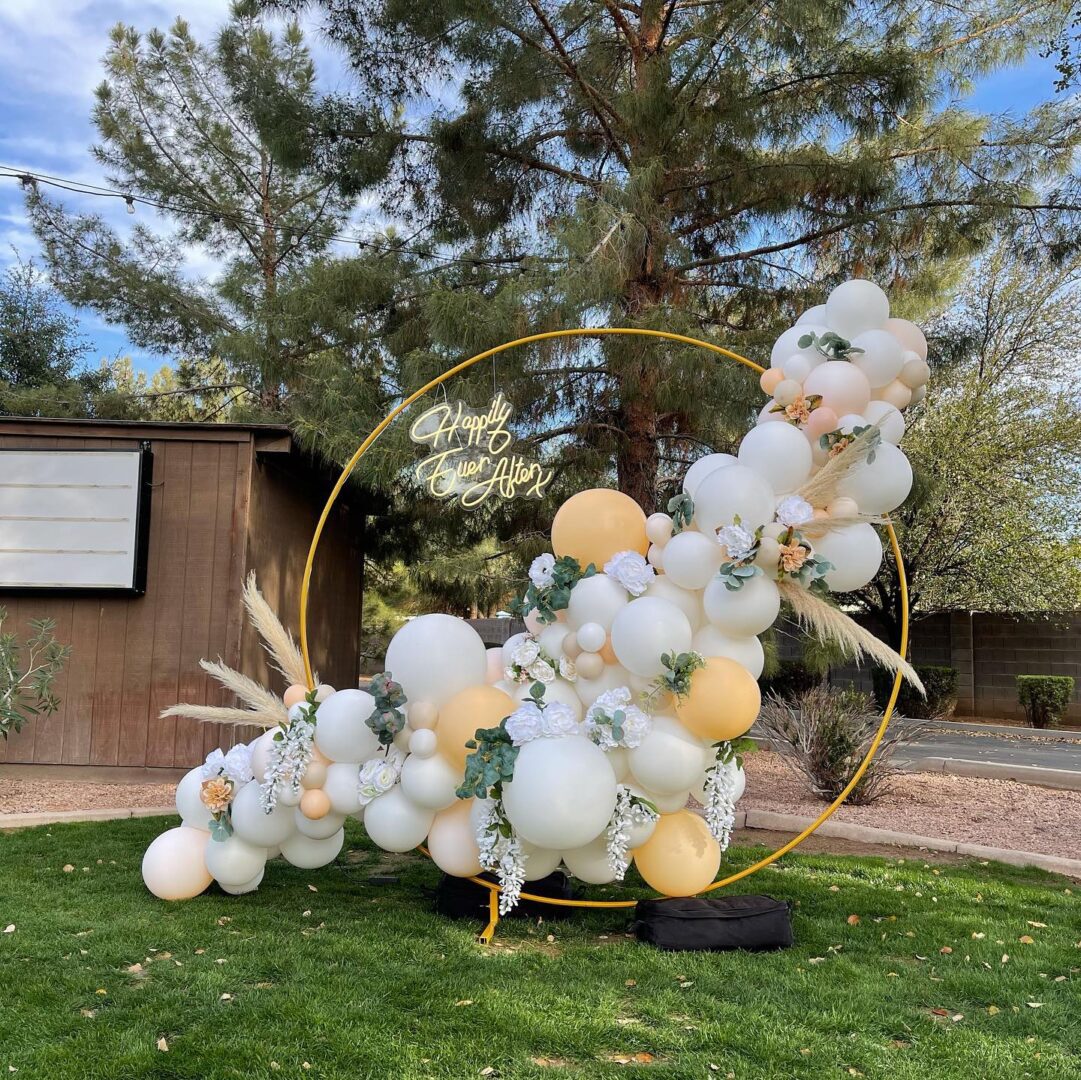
33, 796
998, 813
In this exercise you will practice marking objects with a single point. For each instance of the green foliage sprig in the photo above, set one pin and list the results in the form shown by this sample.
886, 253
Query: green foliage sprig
830, 345
677, 678
26, 689
556, 596
833, 439
387, 718
491, 764
681, 508
733, 750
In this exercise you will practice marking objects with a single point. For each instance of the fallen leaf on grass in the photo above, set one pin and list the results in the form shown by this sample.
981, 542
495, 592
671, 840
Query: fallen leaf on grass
1026, 939
312, 888
945, 950
853, 920
464, 1001
134, 969
546, 1062
226, 997
68, 868
992, 1010
225, 920
1038, 925
816, 960
978, 937
101, 991
163, 1046
630, 982
1034, 1004
10, 928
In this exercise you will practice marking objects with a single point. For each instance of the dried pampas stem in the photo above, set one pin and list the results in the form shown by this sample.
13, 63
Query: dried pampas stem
219, 714
821, 526
821, 489
831, 625
277, 640
256, 697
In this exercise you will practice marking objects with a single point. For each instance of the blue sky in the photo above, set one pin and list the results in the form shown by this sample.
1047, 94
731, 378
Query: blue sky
49, 65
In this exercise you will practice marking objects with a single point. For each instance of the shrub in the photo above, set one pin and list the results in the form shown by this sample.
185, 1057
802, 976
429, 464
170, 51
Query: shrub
1044, 698
26, 688
791, 679
940, 682
824, 735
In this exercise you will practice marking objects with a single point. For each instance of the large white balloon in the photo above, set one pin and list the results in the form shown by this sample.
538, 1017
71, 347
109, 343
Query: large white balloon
669, 759
610, 678
563, 792
395, 822
539, 862
551, 638
881, 485
430, 782
730, 492
590, 862
888, 418
788, 345
318, 828
260, 749
307, 854
509, 647
188, 803
646, 629
842, 386
692, 558
342, 786
856, 554
779, 452
233, 861
816, 314
702, 468
434, 657
247, 887
881, 359
255, 827
666, 804
596, 599
687, 602
709, 641
856, 306
174, 866
743, 612
340, 730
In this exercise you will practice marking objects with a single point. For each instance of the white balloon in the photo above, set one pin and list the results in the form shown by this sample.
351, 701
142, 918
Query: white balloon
788, 344
739, 778
797, 367
909, 335
916, 372
655, 557
452, 843
260, 748
688, 602
881, 485
340, 730
816, 314
563, 792
317, 828
434, 657
307, 854
646, 629
558, 690
888, 418
342, 785
551, 638
188, 803
843, 387
430, 782
395, 823
918, 394
856, 306
692, 558
287, 796
596, 599
699, 470
509, 647
779, 452
669, 759
590, 862
494, 657
856, 554
423, 744
659, 526
539, 862
743, 612
640, 832
666, 804
247, 887
730, 492
882, 356
709, 641
233, 861
592, 636
767, 416
255, 827
174, 866
620, 762
610, 678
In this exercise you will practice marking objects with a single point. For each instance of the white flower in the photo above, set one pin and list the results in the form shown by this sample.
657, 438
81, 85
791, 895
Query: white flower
636, 723
378, 775
237, 764
720, 787
288, 757
215, 764
540, 570
794, 510
525, 723
542, 671
567, 669
526, 652
559, 720
631, 570
737, 541
500, 854
511, 674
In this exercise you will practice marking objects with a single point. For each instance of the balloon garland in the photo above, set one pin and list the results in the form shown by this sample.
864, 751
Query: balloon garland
582, 740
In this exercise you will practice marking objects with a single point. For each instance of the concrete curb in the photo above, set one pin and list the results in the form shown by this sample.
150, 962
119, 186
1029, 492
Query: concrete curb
58, 817
844, 830
1037, 775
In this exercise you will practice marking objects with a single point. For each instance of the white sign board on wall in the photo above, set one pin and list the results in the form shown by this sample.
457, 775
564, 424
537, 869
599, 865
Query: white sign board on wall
74, 519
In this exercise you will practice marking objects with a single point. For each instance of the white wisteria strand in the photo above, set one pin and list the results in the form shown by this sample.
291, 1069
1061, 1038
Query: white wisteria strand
287, 760
501, 855
720, 790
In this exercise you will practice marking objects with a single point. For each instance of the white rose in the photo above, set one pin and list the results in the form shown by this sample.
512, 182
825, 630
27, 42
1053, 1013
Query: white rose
631, 570
636, 723
525, 723
237, 764
737, 541
559, 720
567, 669
542, 671
794, 510
379, 775
215, 763
526, 653
540, 570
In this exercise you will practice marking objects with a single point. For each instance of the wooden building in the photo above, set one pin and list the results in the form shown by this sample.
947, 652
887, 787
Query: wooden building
142, 590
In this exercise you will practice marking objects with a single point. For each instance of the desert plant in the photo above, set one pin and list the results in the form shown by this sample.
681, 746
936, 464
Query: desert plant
26, 687
1044, 698
939, 681
824, 734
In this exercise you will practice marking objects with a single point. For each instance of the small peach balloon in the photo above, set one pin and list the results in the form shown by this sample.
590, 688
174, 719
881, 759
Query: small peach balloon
323, 691
423, 714
607, 653
723, 701
315, 804
319, 756
896, 394
294, 695
315, 775
460, 718
571, 649
595, 524
769, 380
843, 506
589, 665
821, 421
681, 857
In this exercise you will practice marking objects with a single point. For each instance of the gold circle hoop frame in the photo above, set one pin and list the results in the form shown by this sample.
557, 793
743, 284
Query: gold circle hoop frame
717, 350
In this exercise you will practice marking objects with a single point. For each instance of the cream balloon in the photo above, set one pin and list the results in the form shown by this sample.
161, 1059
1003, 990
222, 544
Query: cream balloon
709, 641
641, 831
341, 786
590, 666
494, 656
233, 861
395, 823
340, 730
856, 554
909, 335
596, 599
592, 636
688, 602
842, 386
780, 453
896, 394
551, 638
888, 418
646, 629
423, 715
452, 842
174, 866
259, 753
255, 827
433, 657
247, 887
189, 805
317, 828
816, 314
655, 557
743, 612
590, 862
620, 762
557, 690
882, 357
730, 492
610, 677
692, 558
539, 862
698, 471
563, 792
666, 804
307, 854
856, 306
423, 743
881, 485
788, 345
659, 526
916, 372
669, 759
430, 782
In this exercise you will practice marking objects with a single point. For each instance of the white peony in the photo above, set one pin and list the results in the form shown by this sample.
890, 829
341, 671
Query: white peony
737, 541
540, 570
526, 653
214, 765
237, 764
794, 510
542, 671
525, 723
567, 669
636, 723
631, 570
559, 720
379, 775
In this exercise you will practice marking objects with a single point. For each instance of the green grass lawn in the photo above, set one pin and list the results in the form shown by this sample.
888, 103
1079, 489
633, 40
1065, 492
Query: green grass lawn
326, 974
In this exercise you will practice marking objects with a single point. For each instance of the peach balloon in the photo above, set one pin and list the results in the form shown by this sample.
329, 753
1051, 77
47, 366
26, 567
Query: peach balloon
294, 695
909, 335
593, 525
723, 701
319, 756
681, 857
770, 379
315, 775
323, 691
822, 420
423, 714
607, 653
589, 665
174, 866
315, 804
472, 708
452, 841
